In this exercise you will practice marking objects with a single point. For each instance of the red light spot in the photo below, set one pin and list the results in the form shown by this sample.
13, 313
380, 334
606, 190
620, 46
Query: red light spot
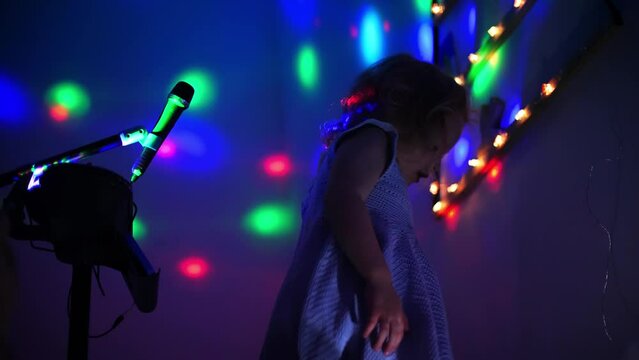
452, 218
278, 165
354, 31
386, 26
59, 113
167, 149
194, 267
495, 170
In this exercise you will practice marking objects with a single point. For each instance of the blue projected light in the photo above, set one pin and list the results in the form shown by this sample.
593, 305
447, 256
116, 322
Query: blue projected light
460, 151
301, 14
425, 38
195, 147
14, 102
510, 115
371, 37
472, 20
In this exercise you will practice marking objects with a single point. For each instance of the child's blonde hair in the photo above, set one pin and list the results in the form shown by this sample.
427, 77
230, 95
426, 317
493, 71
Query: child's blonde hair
400, 90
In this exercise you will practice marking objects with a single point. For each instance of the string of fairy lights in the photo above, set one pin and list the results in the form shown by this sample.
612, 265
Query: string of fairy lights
488, 159
447, 197
485, 161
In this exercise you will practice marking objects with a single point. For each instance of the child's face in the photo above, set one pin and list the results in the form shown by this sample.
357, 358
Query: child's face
421, 157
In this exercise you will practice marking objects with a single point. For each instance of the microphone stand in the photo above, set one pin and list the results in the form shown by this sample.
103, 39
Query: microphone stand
138, 273
124, 138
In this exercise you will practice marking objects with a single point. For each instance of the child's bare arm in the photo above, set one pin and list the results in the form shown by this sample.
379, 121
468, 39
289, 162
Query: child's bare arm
358, 164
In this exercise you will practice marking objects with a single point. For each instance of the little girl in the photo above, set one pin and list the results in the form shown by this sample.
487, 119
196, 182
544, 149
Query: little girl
359, 286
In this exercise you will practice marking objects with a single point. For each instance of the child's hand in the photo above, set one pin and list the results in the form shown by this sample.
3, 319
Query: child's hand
386, 309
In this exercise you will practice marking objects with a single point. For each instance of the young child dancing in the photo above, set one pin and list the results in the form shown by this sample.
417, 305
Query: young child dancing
360, 286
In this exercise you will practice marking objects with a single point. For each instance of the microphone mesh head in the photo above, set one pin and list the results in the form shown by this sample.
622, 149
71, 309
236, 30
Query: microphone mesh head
184, 91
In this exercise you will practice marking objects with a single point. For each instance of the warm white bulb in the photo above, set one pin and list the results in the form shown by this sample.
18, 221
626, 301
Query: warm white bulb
476, 163
434, 187
459, 79
519, 3
437, 9
453, 188
473, 58
548, 88
496, 31
522, 115
500, 140
438, 207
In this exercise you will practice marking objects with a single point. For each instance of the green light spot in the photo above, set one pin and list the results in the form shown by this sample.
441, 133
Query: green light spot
485, 74
271, 220
70, 96
139, 229
204, 85
308, 67
423, 7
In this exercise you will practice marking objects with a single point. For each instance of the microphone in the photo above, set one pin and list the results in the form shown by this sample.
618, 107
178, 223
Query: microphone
179, 99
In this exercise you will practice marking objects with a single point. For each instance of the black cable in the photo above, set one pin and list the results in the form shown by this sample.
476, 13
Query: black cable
610, 260
116, 323
96, 272
33, 245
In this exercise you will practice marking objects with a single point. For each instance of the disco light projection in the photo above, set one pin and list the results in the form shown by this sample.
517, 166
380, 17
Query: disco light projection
204, 85
301, 14
195, 146
307, 67
472, 20
511, 116
485, 75
278, 165
67, 100
14, 101
460, 152
371, 37
425, 39
423, 7
167, 150
271, 220
194, 267
139, 229
354, 31
59, 113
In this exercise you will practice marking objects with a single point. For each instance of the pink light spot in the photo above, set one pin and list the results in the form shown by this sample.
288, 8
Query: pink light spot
167, 150
278, 165
194, 267
386, 26
354, 31
59, 113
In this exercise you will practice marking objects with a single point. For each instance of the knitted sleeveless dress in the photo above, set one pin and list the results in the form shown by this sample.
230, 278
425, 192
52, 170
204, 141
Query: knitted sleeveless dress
320, 312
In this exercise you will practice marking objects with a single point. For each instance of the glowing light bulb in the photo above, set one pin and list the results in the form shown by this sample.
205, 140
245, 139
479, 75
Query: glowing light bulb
452, 188
548, 88
476, 163
519, 3
473, 58
496, 31
438, 207
500, 140
522, 115
434, 187
459, 79
437, 9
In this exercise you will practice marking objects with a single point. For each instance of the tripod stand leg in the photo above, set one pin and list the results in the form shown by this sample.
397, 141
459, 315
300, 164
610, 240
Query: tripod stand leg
78, 348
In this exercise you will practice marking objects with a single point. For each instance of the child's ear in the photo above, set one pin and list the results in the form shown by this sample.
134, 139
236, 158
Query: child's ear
436, 117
